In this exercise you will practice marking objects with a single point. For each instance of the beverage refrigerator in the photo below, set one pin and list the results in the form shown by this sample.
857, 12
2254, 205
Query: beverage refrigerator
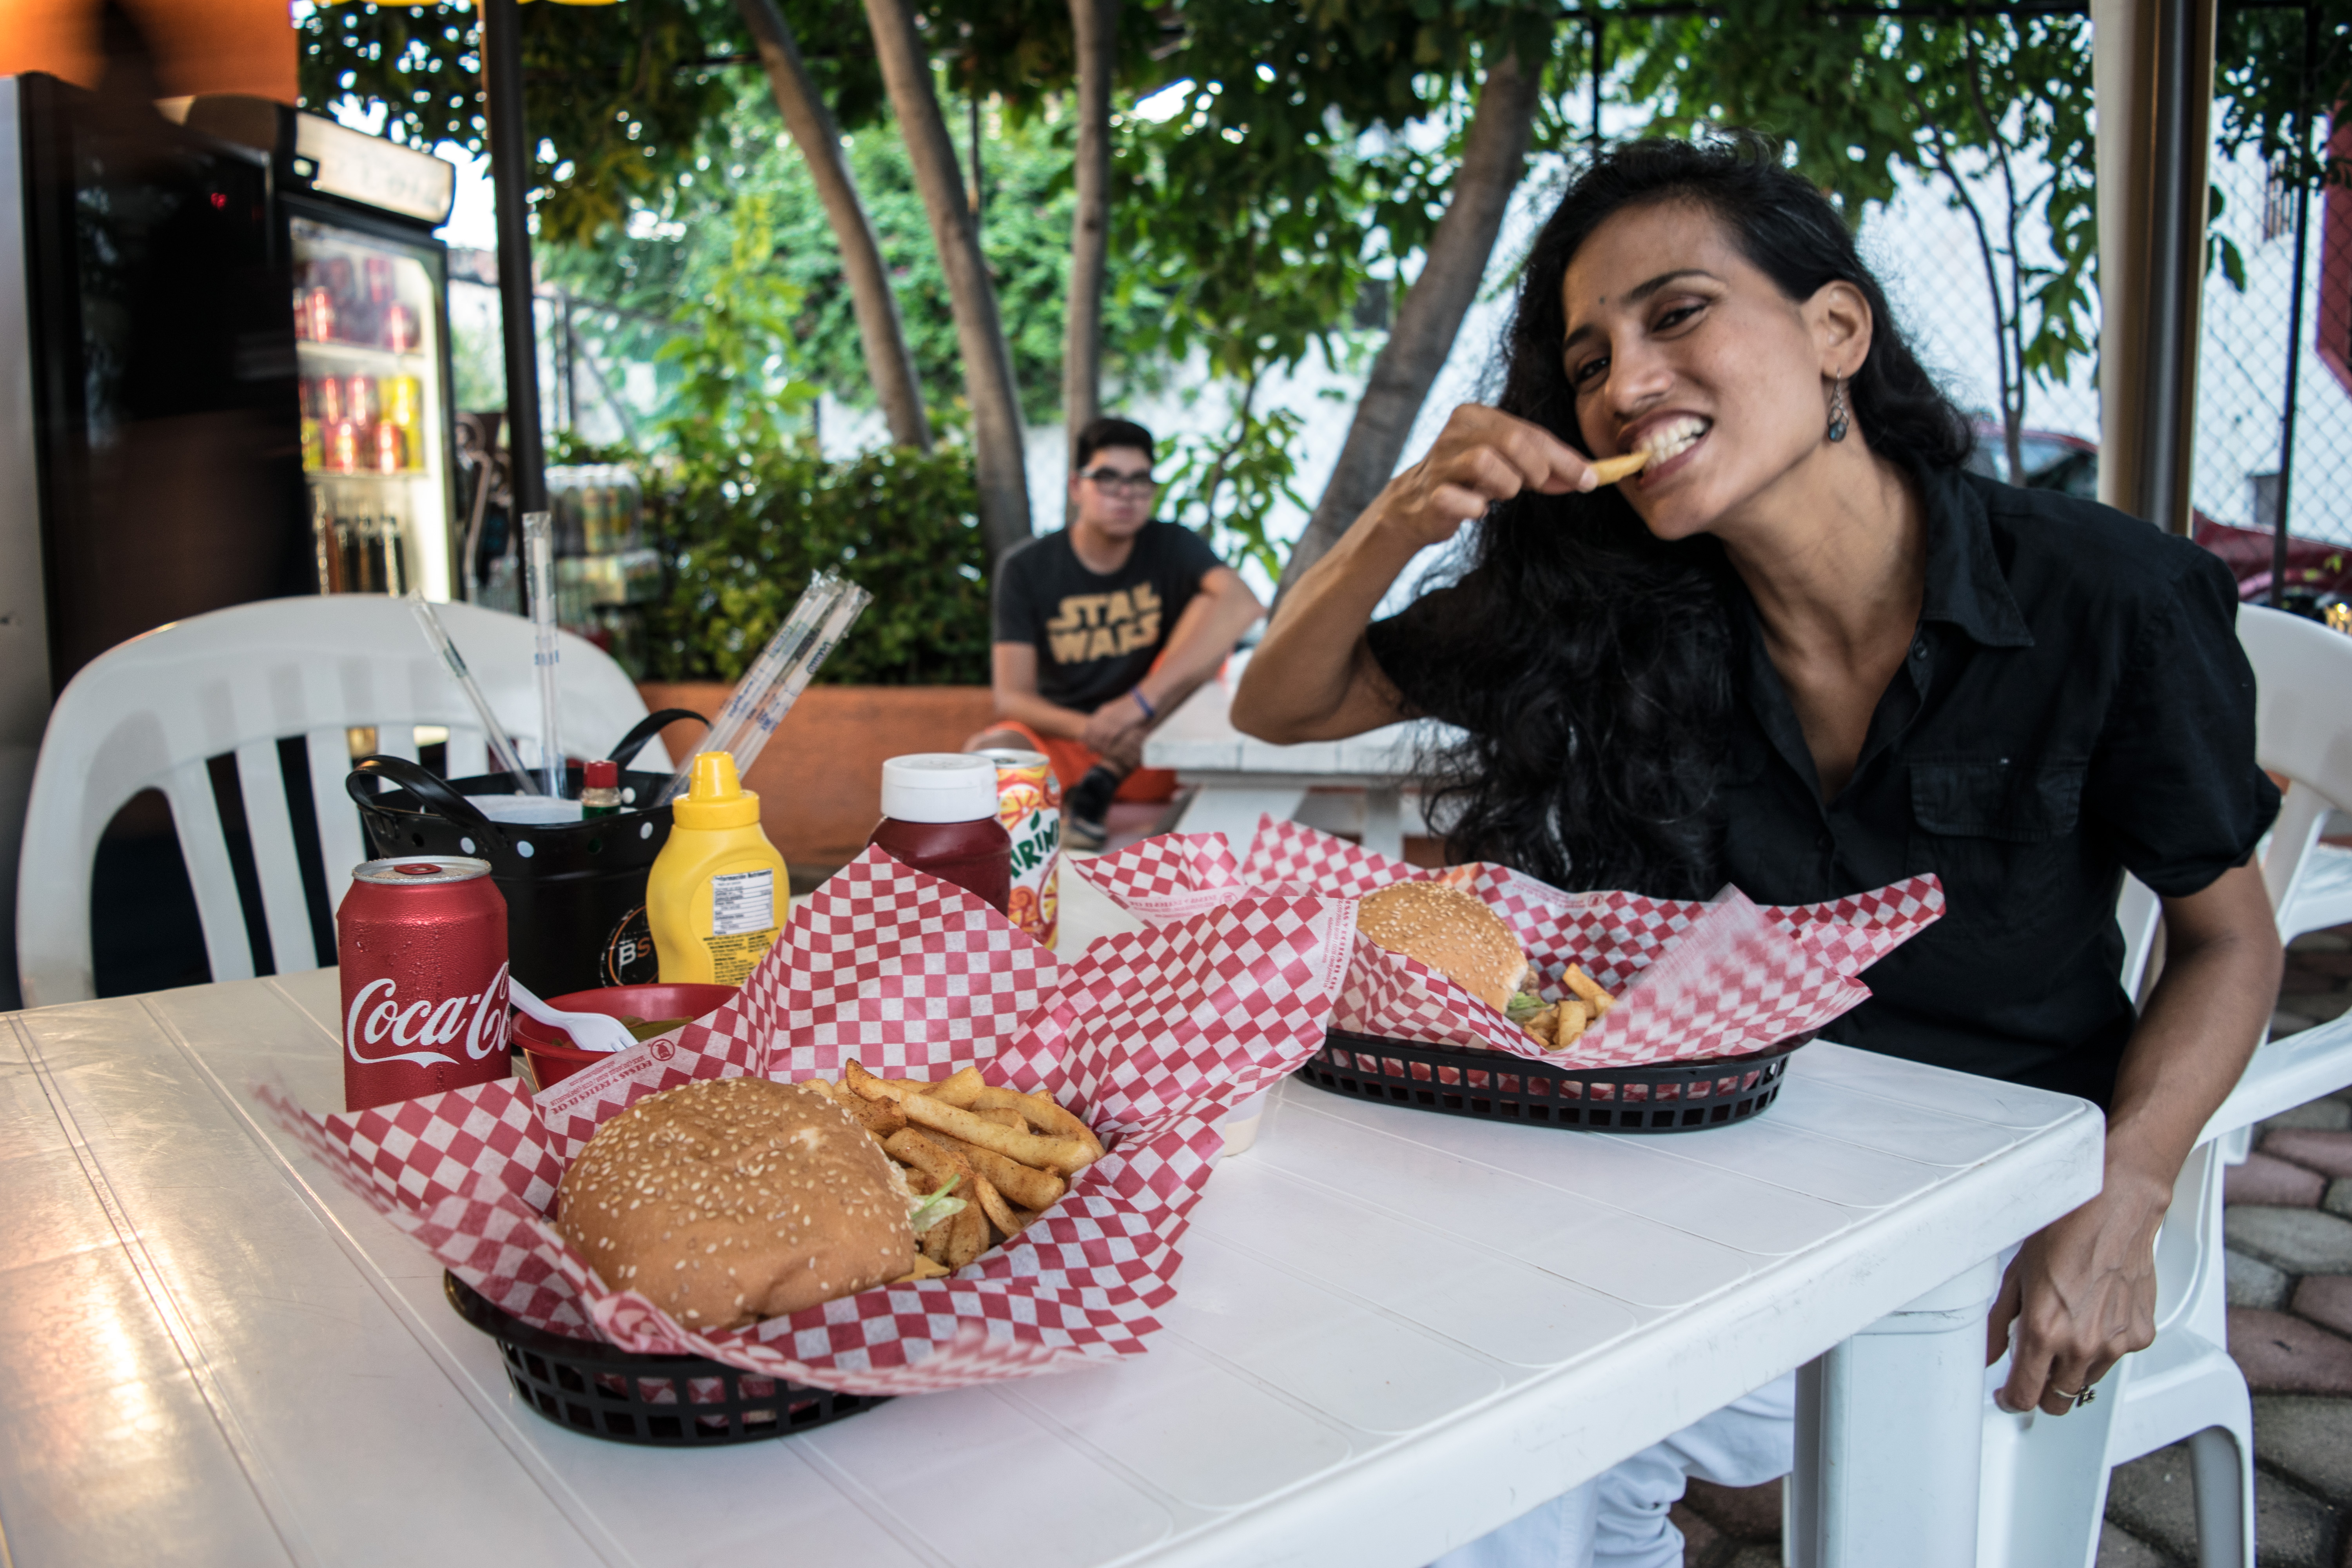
177, 295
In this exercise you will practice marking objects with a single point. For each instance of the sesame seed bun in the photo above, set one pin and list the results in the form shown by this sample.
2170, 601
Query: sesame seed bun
1452, 932
733, 1199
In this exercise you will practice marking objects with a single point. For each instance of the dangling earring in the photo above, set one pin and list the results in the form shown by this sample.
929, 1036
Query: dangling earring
1837, 411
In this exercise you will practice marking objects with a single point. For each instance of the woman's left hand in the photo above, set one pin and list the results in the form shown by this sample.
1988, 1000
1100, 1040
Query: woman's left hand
2082, 1294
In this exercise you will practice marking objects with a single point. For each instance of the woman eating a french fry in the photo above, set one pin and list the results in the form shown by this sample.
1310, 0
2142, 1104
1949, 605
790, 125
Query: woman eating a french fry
1734, 612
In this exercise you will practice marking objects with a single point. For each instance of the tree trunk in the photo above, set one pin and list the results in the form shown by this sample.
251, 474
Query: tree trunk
980, 332
814, 131
1094, 24
1430, 315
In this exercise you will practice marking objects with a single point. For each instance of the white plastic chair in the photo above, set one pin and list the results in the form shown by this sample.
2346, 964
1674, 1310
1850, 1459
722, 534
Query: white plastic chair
2302, 668
2045, 1478
246, 711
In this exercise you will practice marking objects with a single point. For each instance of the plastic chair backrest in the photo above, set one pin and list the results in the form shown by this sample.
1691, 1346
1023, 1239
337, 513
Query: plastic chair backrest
2302, 729
242, 718
2302, 672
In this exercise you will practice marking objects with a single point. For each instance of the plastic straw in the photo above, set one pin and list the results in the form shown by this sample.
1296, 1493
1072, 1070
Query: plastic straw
501, 749
845, 610
776, 677
539, 548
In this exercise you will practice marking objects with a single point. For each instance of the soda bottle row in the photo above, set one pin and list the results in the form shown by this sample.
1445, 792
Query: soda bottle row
363, 399
338, 302
361, 554
598, 508
348, 447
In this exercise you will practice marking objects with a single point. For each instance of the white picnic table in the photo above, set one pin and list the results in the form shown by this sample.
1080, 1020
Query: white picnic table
1233, 776
1395, 1331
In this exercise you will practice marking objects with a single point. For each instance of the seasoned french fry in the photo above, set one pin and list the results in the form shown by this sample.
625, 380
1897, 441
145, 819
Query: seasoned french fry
967, 1238
937, 1164
1596, 999
879, 1117
1031, 1189
1000, 1213
1609, 471
1041, 1113
924, 1268
1003, 1118
1540, 1027
960, 1090
1062, 1123
1573, 1017
1065, 1156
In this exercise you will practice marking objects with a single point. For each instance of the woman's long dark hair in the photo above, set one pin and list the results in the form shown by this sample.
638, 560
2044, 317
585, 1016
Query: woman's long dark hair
1590, 661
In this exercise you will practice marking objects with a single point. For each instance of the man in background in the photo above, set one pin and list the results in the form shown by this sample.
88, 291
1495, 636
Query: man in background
1103, 628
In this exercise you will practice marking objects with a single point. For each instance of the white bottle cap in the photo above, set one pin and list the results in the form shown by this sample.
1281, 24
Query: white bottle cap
938, 786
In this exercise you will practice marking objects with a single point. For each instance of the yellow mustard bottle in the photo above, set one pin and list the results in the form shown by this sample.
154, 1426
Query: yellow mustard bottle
719, 891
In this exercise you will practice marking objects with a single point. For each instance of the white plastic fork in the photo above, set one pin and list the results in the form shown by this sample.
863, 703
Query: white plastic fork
589, 1031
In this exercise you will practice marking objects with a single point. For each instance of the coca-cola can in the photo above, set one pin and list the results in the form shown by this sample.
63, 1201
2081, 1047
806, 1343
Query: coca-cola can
422, 943
1029, 805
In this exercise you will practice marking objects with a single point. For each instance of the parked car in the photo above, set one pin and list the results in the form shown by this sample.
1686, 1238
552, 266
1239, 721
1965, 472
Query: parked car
2318, 573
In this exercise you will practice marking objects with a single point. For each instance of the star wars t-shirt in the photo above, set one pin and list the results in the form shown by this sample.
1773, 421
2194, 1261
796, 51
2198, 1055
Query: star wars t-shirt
1096, 634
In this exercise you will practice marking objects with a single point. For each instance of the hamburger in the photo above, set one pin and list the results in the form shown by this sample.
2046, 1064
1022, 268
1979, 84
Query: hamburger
733, 1199
1452, 932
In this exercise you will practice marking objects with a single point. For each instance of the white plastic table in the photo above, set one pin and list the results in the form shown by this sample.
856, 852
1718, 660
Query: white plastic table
1395, 1331
1235, 777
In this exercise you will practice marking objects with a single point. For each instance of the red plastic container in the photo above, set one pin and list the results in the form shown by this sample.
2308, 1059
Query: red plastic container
552, 1056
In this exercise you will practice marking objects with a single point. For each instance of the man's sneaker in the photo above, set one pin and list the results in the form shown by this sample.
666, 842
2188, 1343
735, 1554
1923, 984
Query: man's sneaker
1085, 809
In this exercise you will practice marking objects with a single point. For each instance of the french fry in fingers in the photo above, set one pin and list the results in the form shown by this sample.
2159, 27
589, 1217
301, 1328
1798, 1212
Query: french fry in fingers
1031, 1189
1573, 1017
1588, 990
1609, 471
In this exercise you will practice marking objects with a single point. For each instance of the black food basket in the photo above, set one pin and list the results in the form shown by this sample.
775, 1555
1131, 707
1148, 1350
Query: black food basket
660, 1401
575, 891
1493, 1086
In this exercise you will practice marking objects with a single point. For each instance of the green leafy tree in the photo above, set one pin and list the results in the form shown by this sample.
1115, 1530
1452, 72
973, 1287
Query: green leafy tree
1993, 109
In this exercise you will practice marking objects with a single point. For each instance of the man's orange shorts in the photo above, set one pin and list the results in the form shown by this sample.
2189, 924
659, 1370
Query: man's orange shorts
1071, 759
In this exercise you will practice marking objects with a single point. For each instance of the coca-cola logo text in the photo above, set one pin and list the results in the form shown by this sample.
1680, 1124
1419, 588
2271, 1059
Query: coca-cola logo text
416, 1032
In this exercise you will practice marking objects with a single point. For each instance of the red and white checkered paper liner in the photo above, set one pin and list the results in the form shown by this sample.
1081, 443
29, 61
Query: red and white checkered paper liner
1693, 979
1149, 1036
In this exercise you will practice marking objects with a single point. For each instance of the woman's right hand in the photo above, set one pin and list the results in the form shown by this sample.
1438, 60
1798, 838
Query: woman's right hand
1482, 456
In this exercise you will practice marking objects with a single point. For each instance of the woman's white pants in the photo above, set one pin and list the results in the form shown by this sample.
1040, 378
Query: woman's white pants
1617, 1520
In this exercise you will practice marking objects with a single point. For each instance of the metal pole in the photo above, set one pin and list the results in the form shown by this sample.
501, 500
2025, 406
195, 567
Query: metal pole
2170, 356
510, 185
2293, 321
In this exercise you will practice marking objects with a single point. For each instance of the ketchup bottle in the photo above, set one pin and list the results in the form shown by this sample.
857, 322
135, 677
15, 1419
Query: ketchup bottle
938, 816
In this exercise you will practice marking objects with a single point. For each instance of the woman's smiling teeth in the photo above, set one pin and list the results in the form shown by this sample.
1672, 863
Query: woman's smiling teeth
1672, 440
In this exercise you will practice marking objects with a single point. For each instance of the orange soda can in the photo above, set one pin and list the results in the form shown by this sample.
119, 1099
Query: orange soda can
343, 447
1029, 805
391, 450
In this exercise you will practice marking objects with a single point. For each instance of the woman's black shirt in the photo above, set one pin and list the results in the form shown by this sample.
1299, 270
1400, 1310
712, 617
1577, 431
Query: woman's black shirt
2075, 704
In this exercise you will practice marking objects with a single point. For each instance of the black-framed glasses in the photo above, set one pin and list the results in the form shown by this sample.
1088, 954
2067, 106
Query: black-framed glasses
1113, 481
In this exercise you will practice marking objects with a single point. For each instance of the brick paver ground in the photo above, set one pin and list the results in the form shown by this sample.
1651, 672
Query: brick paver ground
2290, 1285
